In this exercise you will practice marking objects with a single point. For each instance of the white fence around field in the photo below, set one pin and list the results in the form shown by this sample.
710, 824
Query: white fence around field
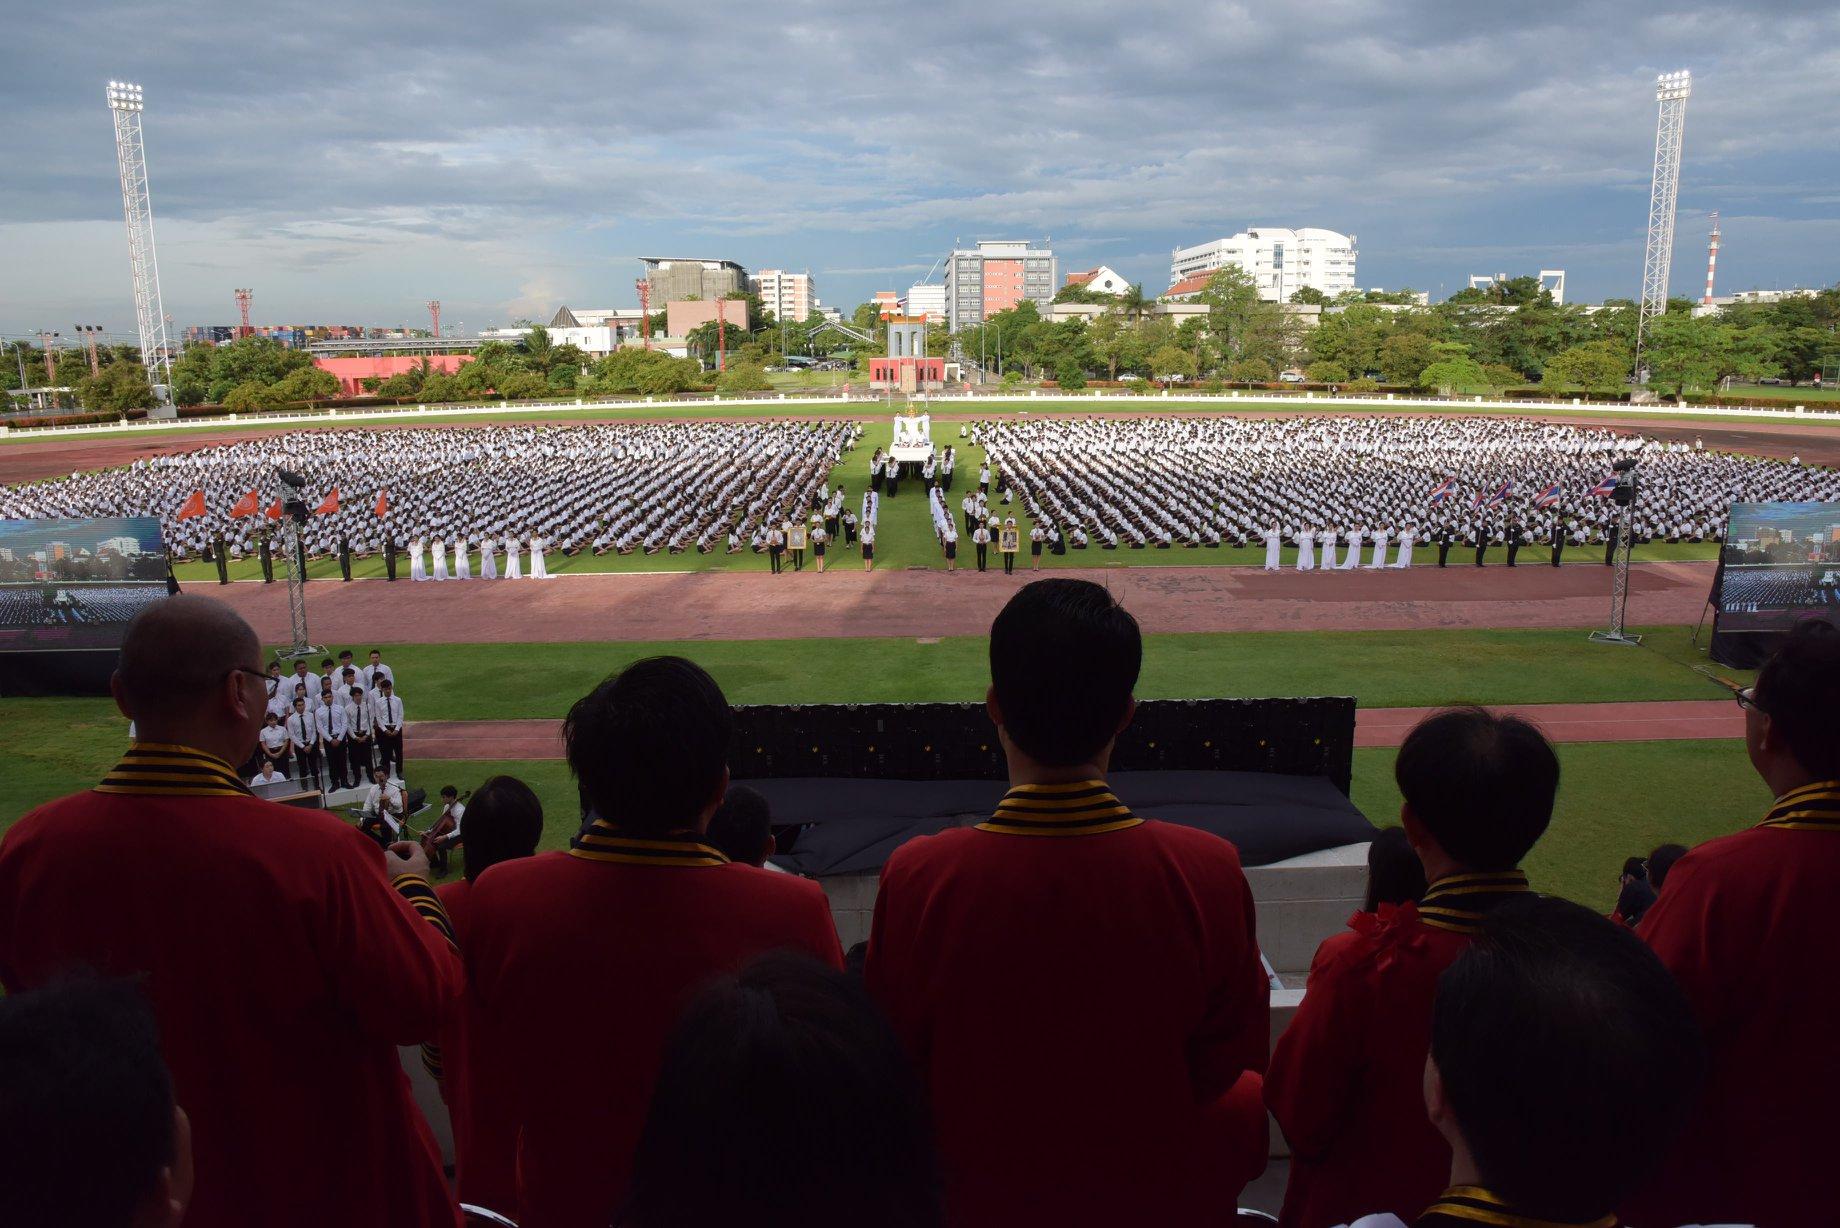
1019, 401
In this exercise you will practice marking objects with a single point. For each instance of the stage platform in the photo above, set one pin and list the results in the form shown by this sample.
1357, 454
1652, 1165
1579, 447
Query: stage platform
1302, 841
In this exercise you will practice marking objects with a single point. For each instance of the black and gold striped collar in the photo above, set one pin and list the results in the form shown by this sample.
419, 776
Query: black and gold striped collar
1457, 901
1814, 807
603, 842
161, 769
1471, 1204
1082, 808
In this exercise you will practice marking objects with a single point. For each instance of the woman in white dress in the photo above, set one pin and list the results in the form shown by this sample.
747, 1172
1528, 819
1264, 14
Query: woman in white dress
1408, 537
1328, 550
538, 569
488, 562
512, 570
1352, 559
418, 564
1274, 540
1306, 550
440, 559
1381, 537
463, 567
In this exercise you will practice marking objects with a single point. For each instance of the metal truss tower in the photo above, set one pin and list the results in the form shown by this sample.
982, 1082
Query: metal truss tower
126, 103
1671, 90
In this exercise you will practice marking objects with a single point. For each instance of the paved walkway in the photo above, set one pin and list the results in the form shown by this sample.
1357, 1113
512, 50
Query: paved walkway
750, 605
1653, 721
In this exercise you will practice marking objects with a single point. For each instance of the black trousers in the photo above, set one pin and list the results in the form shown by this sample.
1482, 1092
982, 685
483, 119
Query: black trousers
798, 560
1558, 548
307, 763
1514, 548
357, 760
982, 553
1482, 548
1610, 547
773, 560
335, 763
1443, 553
390, 749
1009, 562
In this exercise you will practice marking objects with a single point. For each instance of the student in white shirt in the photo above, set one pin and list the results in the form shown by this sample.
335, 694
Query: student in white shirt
329, 718
382, 815
303, 741
387, 719
268, 775
375, 668
274, 740
358, 735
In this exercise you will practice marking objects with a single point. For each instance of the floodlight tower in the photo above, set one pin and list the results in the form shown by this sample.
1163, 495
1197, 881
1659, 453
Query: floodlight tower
126, 101
1671, 90
88, 332
434, 314
644, 287
45, 339
243, 298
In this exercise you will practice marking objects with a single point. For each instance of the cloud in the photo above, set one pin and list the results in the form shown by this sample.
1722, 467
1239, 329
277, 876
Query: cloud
359, 163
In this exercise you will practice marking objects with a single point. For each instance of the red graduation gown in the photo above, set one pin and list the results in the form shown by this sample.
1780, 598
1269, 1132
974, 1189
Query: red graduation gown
485, 1136
580, 963
281, 967
1081, 990
1746, 925
1346, 1083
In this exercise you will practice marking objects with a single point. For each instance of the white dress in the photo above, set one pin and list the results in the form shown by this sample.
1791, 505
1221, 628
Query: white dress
1273, 539
440, 559
1352, 559
512, 570
1306, 551
1381, 536
488, 562
1328, 552
418, 564
1407, 539
538, 570
463, 569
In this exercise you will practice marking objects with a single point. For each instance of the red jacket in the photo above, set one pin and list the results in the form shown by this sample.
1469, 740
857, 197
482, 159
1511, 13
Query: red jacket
485, 1137
1745, 924
282, 969
1081, 990
580, 963
1346, 1083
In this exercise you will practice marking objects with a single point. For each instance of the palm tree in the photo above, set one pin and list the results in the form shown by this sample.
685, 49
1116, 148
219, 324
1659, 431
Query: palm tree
1134, 302
538, 346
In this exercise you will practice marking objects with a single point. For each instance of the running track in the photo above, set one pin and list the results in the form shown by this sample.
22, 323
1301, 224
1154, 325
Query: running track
1675, 720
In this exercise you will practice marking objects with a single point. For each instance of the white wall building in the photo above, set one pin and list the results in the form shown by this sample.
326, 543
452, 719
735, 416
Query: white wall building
1281, 261
928, 301
787, 295
1102, 280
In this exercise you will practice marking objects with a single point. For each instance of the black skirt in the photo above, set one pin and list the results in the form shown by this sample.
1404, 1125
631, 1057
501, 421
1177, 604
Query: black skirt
868, 551
951, 550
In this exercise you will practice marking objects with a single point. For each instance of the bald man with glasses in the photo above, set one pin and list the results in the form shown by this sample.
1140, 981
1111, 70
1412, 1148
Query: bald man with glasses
285, 955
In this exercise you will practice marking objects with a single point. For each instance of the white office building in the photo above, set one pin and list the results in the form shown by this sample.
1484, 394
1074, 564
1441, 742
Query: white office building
787, 295
928, 301
995, 276
1280, 261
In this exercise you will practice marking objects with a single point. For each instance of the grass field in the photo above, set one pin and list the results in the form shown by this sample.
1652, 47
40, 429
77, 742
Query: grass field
905, 537
1618, 799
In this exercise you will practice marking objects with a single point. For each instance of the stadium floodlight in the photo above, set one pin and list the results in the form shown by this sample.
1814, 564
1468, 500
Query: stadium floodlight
126, 102
1671, 91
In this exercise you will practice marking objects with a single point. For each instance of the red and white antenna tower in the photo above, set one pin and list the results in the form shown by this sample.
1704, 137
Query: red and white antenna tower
1712, 258
434, 315
644, 286
243, 299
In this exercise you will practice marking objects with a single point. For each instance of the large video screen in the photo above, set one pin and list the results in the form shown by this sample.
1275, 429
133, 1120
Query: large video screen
1781, 563
76, 584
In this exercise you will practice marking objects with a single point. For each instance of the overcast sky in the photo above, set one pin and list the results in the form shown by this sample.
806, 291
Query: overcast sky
350, 162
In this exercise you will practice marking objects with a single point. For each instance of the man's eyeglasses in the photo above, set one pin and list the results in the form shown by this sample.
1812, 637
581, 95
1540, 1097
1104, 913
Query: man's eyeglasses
1747, 699
260, 675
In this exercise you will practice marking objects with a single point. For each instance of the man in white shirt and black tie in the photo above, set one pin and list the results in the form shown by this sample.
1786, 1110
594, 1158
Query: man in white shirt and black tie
387, 719
358, 736
303, 742
375, 670
329, 718
382, 815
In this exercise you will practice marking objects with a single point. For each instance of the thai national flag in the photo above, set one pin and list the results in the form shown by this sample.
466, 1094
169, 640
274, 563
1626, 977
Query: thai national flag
1603, 489
1500, 492
1547, 497
1443, 490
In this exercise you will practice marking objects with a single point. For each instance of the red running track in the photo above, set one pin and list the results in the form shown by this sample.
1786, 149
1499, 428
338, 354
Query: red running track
923, 602
1671, 720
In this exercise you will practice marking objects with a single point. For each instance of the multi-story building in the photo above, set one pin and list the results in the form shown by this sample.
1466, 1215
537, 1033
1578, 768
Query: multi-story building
787, 295
995, 276
674, 279
1280, 261
928, 301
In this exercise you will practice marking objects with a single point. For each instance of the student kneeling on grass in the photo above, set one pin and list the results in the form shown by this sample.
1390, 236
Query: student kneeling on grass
1563, 1058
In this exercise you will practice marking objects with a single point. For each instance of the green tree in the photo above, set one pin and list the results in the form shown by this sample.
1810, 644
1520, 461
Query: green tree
440, 387
1404, 355
743, 377
1249, 371
1310, 294
1453, 373
1324, 372
1171, 362
249, 396
118, 388
1069, 376
402, 384
1599, 366
307, 384
521, 386
538, 349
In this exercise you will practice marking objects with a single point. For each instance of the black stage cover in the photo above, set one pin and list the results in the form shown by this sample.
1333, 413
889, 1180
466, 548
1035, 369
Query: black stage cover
851, 826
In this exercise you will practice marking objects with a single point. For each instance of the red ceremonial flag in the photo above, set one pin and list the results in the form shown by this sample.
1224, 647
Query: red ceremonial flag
193, 506
383, 503
274, 510
330, 506
248, 505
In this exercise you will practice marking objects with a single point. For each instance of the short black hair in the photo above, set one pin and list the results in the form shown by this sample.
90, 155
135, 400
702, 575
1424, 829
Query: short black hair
504, 821
649, 745
1482, 783
1394, 872
1799, 689
86, 1104
1568, 1055
787, 1049
343, 653
1635, 867
1661, 861
449, 791
325, 660
741, 825
1064, 659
